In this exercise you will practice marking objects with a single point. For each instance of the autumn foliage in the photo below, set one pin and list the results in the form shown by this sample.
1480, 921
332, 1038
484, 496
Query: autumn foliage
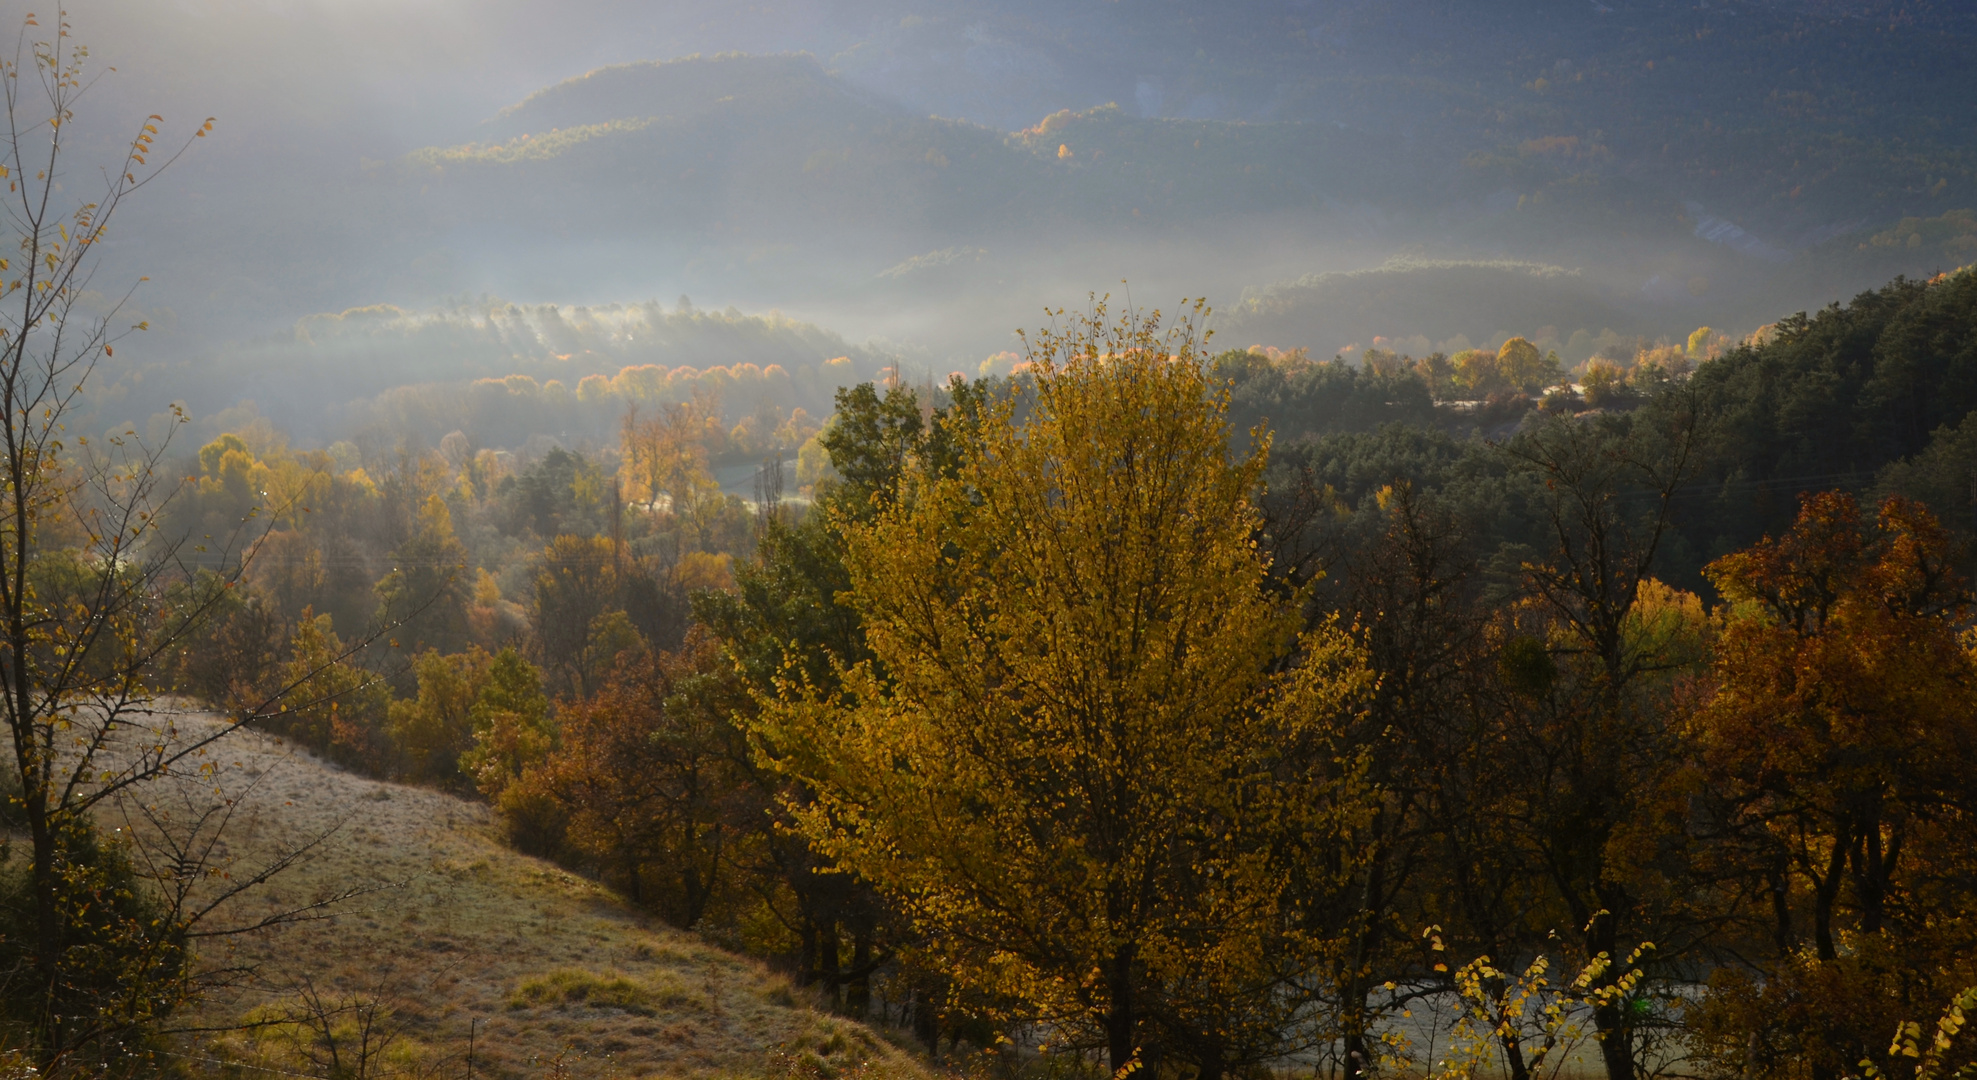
1843, 735
1071, 722
1068, 759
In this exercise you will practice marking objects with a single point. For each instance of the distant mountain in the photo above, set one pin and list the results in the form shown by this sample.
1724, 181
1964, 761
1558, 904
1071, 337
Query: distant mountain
723, 147
1790, 114
779, 148
1791, 122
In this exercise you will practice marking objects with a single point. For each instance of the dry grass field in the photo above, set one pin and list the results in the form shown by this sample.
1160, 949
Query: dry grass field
456, 938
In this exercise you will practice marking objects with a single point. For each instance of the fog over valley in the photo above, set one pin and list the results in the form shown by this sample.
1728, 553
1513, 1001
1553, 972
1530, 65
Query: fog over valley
921, 179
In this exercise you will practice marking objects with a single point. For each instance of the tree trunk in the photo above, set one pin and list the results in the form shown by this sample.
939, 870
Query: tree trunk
828, 968
1357, 1062
1210, 1066
1353, 1061
1513, 1056
1616, 1042
1870, 875
858, 995
634, 887
704, 877
1781, 909
1616, 1030
1826, 893
926, 1021
1511, 1041
47, 919
806, 959
1120, 1046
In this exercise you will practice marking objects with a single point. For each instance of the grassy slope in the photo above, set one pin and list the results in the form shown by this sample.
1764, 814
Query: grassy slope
463, 927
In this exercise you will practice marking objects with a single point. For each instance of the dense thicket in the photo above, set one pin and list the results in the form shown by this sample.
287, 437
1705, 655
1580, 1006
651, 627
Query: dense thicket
1828, 401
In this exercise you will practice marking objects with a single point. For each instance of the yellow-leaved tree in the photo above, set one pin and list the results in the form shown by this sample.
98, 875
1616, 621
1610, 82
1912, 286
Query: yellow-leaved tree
1081, 758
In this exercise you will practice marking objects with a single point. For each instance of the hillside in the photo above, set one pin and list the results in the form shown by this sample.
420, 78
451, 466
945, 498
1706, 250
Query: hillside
724, 147
1793, 111
461, 932
768, 148
1424, 306
1407, 105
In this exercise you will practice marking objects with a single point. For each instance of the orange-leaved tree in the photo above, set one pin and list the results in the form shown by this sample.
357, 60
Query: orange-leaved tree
1843, 730
646, 776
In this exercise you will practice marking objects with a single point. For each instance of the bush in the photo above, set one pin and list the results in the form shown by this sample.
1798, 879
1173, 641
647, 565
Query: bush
120, 956
571, 987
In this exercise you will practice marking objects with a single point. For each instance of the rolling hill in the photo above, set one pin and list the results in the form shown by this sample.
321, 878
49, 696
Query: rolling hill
761, 147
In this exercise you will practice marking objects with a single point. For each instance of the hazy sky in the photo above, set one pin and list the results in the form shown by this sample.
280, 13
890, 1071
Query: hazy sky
305, 91
390, 75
